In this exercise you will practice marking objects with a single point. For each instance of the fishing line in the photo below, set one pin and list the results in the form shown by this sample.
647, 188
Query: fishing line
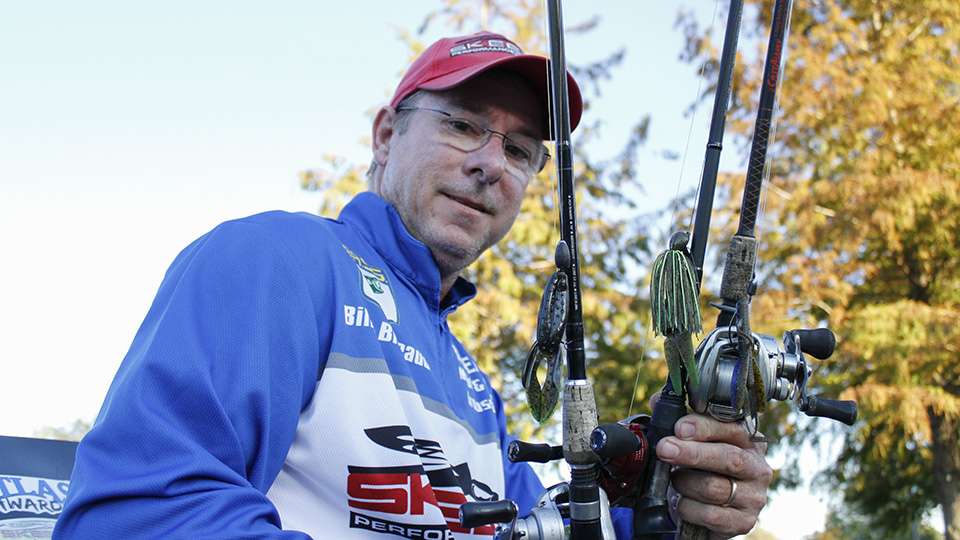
775, 115
693, 118
683, 161
636, 383
553, 178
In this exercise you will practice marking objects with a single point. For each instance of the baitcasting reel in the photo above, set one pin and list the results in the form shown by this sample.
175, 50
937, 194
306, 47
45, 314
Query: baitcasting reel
783, 371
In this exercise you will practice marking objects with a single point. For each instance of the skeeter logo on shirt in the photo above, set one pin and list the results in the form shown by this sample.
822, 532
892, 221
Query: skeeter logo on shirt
405, 491
373, 283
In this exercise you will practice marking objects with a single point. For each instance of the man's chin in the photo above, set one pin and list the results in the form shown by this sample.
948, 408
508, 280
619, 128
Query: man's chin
452, 257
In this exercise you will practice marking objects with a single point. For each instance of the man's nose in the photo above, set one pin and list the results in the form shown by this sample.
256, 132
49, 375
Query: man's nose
487, 163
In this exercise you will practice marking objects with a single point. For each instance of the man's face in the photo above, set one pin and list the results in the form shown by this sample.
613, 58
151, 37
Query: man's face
458, 203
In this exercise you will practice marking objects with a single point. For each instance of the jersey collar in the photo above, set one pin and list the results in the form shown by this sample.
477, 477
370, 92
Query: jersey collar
380, 224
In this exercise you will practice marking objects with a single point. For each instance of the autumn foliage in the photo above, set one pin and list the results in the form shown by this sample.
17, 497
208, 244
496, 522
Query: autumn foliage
862, 233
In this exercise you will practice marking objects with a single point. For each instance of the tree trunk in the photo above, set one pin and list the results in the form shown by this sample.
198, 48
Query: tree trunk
946, 470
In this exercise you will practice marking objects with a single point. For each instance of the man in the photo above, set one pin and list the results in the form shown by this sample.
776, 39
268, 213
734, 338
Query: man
296, 375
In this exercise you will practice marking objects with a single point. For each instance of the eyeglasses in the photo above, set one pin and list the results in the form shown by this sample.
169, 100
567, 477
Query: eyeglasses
526, 155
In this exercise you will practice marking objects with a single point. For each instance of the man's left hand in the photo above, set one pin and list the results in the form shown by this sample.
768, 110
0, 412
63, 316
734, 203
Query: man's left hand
721, 476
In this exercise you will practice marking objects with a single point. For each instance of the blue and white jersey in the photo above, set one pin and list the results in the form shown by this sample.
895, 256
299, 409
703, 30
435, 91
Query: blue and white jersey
296, 377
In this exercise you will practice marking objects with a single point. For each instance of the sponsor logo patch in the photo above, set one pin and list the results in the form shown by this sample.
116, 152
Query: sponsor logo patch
407, 491
373, 283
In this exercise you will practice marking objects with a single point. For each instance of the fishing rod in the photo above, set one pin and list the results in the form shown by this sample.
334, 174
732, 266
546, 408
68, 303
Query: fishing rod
759, 368
733, 372
579, 404
718, 122
651, 508
560, 336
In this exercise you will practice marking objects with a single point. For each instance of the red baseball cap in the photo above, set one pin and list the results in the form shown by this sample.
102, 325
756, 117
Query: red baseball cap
452, 61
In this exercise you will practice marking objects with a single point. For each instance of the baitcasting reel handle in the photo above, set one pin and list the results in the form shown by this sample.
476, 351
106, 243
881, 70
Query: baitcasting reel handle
477, 514
839, 410
610, 441
539, 453
817, 342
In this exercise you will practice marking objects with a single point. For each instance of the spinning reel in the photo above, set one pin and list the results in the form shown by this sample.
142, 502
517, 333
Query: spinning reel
545, 521
622, 451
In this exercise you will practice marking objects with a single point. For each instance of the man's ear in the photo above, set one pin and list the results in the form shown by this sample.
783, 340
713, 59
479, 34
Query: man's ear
384, 126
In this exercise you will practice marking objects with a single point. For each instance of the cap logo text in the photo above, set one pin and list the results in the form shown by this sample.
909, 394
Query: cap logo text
485, 45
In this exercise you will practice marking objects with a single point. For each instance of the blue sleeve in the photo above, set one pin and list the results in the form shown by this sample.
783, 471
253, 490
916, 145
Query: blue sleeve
523, 486
198, 420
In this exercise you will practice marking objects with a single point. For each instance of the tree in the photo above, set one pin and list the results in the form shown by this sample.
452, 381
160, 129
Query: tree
842, 525
73, 432
861, 228
498, 326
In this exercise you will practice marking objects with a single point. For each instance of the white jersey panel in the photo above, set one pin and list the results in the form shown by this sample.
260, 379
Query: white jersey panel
367, 461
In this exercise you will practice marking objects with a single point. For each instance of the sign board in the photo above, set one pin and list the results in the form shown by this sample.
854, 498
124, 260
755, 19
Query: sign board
34, 480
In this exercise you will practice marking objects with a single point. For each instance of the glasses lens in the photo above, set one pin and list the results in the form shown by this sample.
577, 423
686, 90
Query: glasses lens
526, 152
525, 155
465, 132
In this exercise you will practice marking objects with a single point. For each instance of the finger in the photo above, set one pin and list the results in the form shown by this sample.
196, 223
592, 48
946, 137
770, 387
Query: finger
652, 402
697, 427
717, 457
725, 521
710, 488
761, 447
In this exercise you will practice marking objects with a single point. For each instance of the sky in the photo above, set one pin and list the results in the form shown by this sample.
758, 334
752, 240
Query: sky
127, 129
